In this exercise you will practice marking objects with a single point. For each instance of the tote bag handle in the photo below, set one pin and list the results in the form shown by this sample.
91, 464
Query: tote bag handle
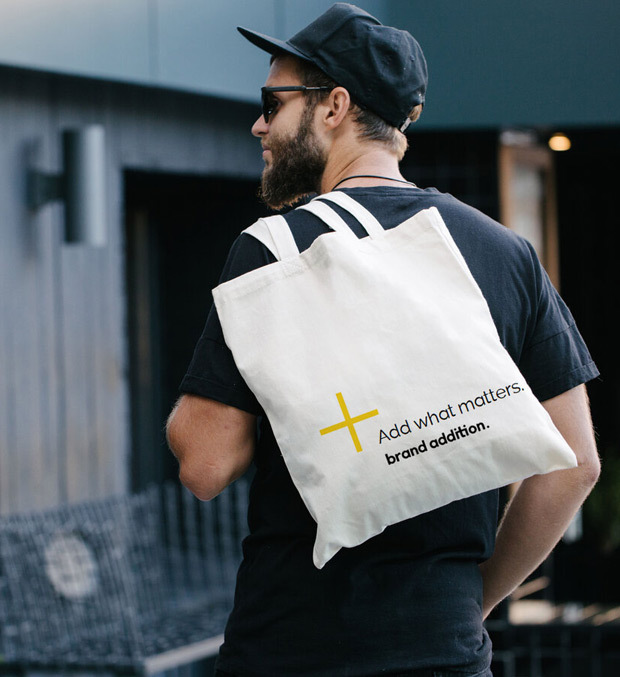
276, 235
329, 217
370, 224
285, 245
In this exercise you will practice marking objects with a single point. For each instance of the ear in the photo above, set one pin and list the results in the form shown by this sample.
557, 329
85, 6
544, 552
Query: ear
335, 108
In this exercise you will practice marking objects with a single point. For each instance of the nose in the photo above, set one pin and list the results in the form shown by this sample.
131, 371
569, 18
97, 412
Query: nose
260, 127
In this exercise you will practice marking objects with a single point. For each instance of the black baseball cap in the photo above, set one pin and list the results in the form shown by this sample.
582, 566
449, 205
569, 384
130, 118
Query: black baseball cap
383, 68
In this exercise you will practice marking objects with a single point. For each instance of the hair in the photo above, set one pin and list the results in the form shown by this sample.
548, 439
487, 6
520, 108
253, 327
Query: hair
371, 127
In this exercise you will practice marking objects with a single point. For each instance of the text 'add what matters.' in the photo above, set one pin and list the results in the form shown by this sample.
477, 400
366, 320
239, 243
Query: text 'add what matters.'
448, 413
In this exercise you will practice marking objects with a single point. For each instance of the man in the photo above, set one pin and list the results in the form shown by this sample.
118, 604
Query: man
412, 600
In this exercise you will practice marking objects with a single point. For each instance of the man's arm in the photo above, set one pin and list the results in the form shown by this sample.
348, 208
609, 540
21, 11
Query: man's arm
213, 442
543, 506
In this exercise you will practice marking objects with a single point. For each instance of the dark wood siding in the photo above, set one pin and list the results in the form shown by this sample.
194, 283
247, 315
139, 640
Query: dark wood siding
64, 406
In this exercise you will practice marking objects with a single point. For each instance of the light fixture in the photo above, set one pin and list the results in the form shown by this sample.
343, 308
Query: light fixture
559, 142
81, 186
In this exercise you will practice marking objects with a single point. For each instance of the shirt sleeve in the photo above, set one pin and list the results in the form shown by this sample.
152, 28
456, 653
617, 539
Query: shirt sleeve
212, 372
555, 357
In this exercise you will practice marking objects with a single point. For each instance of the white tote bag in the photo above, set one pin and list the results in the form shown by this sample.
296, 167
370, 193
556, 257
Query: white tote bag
381, 371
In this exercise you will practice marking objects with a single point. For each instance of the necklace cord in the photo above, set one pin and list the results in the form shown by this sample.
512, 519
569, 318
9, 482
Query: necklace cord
372, 176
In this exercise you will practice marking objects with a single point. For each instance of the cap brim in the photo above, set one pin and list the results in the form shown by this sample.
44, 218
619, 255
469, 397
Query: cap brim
271, 45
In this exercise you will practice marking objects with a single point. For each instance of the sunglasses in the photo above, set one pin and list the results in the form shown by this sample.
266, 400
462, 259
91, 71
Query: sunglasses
269, 103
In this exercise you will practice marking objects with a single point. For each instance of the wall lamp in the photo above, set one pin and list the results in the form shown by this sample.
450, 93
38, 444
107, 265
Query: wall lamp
81, 186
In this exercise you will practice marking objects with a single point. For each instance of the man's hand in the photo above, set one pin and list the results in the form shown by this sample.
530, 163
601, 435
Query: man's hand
213, 442
543, 506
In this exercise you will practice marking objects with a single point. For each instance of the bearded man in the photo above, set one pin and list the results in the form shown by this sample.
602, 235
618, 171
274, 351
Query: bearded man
412, 600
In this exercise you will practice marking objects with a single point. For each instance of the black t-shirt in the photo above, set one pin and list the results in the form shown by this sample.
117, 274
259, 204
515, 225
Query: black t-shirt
409, 598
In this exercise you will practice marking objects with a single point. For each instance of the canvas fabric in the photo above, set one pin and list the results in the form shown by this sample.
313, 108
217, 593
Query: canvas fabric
380, 369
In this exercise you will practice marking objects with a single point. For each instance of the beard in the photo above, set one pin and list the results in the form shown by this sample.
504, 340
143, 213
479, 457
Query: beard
296, 168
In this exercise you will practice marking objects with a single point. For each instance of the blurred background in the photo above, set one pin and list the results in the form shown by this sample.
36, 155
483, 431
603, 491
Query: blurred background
127, 168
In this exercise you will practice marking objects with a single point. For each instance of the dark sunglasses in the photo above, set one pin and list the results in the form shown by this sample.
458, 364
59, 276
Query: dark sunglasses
269, 104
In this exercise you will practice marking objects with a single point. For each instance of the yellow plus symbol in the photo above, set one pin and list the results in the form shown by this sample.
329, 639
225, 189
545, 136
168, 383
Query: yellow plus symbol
349, 422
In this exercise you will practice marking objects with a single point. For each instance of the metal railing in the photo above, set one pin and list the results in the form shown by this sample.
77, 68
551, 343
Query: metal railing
137, 583
555, 649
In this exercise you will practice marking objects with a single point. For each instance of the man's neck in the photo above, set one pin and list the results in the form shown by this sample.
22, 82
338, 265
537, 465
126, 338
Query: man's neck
361, 171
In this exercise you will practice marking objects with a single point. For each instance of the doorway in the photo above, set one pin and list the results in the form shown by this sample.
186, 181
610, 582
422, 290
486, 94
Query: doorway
587, 180
178, 231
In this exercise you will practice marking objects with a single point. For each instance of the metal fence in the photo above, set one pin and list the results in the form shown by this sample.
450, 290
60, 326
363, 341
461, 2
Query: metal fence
136, 583
555, 649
